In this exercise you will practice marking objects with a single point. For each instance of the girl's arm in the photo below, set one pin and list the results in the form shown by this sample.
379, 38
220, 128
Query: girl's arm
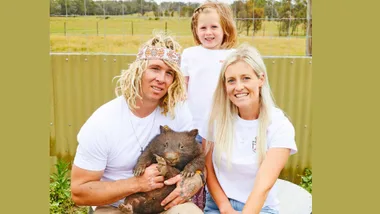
213, 185
267, 175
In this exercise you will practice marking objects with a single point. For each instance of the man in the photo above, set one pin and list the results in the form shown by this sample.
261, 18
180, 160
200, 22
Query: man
113, 138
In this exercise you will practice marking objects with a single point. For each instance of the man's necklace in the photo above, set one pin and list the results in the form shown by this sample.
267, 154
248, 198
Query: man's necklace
134, 131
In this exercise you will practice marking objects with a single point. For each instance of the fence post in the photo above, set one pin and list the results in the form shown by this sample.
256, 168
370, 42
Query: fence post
247, 26
309, 37
64, 28
265, 21
132, 27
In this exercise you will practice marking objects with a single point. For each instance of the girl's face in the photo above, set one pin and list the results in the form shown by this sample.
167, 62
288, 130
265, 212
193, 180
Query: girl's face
243, 86
209, 29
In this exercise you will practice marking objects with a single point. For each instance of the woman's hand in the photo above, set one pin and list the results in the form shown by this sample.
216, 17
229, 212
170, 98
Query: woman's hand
226, 208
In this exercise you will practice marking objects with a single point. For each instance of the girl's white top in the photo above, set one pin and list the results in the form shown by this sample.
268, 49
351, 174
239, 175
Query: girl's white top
203, 67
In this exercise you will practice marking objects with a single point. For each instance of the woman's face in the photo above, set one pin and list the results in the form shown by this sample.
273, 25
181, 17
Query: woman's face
243, 86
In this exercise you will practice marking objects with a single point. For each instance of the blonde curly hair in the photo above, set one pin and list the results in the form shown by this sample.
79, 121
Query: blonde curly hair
129, 82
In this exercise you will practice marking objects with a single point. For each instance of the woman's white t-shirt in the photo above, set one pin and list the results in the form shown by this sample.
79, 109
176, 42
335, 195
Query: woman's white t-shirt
238, 180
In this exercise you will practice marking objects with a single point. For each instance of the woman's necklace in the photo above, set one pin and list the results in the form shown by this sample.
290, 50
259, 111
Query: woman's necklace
134, 131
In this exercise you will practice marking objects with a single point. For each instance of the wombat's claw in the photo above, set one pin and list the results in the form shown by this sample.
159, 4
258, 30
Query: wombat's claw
138, 171
161, 165
187, 174
126, 208
160, 160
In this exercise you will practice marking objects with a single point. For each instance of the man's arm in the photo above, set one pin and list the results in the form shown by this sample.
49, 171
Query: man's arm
88, 190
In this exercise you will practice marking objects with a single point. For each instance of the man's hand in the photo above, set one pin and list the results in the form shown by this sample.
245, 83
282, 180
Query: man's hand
186, 188
151, 179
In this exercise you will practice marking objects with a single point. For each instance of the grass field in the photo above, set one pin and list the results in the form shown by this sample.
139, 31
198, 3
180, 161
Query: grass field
124, 34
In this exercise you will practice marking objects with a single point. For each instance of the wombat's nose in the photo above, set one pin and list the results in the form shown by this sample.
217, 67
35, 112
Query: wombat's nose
171, 156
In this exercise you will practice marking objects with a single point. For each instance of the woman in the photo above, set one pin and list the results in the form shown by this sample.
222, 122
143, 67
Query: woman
248, 139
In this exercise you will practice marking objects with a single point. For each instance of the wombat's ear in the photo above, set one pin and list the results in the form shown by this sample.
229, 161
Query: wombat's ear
164, 129
193, 132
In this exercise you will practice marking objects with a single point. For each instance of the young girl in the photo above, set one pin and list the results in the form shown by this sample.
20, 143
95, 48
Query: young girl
249, 140
214, 32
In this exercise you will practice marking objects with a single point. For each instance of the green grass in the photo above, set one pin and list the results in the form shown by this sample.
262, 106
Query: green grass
60, 192
116, 25
130, 44
114, 35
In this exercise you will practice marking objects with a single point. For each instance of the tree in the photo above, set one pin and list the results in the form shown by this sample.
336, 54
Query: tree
166, 13
156, 11
75, 7
299, 13
62, 4
270, 10
246, 13
285, 14
55, 7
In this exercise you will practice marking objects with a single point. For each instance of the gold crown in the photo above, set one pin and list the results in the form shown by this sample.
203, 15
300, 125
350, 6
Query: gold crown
161, 53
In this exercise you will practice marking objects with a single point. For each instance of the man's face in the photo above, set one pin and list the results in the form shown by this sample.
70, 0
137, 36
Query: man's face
156, 80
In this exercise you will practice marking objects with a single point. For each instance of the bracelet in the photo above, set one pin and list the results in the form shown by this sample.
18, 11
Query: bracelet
199, 172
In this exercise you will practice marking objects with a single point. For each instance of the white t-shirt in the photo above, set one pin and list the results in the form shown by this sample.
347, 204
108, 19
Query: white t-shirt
203, 67
237, 182
107, 140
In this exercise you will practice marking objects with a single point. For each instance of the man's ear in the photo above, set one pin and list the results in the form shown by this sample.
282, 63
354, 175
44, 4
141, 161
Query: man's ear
164, 129
193, 132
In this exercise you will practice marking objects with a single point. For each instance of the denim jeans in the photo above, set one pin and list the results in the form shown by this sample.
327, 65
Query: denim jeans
212, 208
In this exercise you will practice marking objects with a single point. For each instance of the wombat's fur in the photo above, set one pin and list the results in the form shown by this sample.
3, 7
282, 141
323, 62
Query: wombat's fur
175, 152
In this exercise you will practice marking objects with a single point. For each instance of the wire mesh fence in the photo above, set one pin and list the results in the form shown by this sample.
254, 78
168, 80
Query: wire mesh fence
275, 27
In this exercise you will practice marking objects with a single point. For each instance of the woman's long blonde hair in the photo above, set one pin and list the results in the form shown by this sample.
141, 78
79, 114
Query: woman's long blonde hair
129, 82
221, 127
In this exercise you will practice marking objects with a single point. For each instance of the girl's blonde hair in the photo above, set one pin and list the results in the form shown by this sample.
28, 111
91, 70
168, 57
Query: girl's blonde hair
221, 124
129, 82
226, 21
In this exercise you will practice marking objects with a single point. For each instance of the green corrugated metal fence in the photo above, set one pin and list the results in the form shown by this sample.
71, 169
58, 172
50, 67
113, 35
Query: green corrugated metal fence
82, 83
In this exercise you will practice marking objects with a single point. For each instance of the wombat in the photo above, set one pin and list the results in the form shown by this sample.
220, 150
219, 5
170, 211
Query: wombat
175, 152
